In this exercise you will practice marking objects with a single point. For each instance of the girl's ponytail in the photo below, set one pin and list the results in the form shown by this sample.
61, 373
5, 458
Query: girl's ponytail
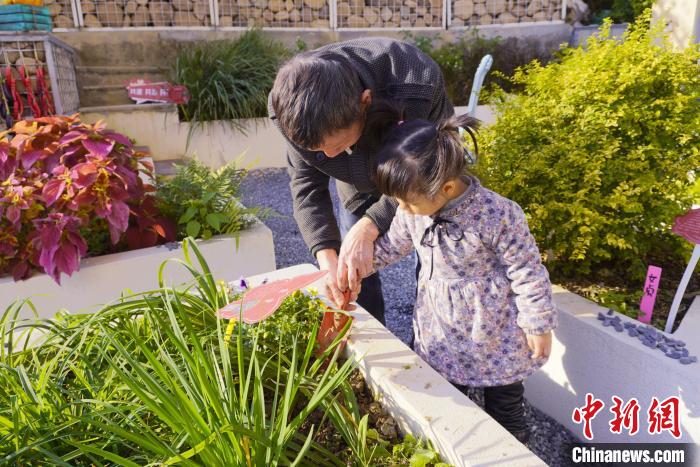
420, 156
465, 127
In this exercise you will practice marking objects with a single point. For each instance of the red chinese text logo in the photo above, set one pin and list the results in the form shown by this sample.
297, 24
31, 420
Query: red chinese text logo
662, 416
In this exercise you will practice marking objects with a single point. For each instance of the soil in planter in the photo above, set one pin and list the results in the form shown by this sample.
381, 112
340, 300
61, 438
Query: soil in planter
613, 290
329, 437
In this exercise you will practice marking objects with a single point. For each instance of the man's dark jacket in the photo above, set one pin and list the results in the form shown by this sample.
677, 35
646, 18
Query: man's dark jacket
393, 70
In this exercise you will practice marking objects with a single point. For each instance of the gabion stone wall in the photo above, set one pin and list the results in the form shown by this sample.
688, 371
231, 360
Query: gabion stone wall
481, 12
61, 13
311, 14
275, 13
389, 13
144, 13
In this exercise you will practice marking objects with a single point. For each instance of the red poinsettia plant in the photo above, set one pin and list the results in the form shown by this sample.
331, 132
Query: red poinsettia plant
57, 176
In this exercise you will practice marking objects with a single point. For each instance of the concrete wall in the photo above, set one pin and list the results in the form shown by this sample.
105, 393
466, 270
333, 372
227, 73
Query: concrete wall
421, 401
588, 357
683, 17
103, 278
215, 143
157, 48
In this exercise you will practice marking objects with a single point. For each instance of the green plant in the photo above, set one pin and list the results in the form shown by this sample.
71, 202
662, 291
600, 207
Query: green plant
620, 11
156, 378
230, 79
598, 149
204, 202
459, 60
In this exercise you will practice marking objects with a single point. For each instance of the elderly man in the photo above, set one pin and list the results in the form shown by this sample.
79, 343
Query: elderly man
322, 102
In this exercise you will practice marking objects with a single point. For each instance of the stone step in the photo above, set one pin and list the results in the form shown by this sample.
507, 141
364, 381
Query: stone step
103, 96
152, 107
94, 75
167, 166
106, 84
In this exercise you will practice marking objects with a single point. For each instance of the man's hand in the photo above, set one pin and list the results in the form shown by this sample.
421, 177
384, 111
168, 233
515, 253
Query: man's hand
541, 345
356, 255
328, 261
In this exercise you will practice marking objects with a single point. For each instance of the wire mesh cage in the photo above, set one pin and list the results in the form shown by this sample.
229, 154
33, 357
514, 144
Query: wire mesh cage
275, 13
484, 12
390, 14
145, 13
38, 77
62, 13
307, 14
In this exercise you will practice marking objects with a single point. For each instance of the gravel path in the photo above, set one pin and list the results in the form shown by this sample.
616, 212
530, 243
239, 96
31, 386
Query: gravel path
270, 188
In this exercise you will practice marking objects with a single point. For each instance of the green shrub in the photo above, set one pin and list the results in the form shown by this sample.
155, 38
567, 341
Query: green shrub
205, 202
459, 60
599, 147
228, 79
620, 11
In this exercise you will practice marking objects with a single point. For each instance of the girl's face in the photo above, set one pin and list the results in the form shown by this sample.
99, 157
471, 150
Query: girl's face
418, 204
421, 205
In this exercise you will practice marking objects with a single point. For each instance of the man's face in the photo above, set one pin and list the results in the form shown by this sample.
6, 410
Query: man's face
340, 140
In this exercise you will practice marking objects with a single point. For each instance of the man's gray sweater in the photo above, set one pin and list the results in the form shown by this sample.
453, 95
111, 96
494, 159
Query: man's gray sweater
392, 70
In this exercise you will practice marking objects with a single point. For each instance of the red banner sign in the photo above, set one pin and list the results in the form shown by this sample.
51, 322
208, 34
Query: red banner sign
143, 91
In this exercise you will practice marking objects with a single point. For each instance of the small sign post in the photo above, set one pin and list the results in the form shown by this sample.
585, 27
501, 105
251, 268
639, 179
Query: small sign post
688, 227
651, 287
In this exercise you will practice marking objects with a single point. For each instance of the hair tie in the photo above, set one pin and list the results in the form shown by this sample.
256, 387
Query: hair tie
469, 156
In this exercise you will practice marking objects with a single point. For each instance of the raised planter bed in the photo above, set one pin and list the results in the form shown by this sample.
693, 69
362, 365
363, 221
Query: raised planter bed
421, 401
215, 143
590, 358
103, 278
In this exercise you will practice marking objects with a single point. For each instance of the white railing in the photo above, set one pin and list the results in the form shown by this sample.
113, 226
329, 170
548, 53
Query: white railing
300, 14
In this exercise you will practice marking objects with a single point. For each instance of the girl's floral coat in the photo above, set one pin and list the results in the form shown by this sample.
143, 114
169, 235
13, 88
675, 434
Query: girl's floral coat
482, 287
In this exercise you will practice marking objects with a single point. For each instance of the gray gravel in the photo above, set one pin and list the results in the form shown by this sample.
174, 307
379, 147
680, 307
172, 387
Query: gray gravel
270, 188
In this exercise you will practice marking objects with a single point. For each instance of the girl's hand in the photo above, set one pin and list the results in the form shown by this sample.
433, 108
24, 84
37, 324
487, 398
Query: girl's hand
541, 345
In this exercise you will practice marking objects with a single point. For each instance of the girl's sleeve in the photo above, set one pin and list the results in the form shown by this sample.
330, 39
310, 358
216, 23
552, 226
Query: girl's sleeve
394, 244
518, 251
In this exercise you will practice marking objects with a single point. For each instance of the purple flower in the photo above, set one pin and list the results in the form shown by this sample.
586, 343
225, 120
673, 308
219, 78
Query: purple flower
241, 283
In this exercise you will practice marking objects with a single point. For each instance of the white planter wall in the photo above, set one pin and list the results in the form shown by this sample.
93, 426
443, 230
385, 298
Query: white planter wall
588, 357
103, 278
215, 144
421, 401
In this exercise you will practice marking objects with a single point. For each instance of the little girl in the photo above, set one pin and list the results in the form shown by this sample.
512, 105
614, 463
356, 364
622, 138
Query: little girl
484, 311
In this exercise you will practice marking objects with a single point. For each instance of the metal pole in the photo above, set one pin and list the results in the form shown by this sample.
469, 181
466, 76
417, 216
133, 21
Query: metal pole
446, 13
563, 10
214, 12
51, 65
333, 13
681, 288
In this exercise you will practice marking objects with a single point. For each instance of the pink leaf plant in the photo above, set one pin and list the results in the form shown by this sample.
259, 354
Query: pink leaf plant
56, 174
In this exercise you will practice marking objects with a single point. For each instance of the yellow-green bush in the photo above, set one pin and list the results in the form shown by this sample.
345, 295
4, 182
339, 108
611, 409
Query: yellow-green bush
600, 148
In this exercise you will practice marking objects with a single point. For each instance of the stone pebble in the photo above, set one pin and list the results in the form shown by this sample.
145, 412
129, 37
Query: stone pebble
650, 337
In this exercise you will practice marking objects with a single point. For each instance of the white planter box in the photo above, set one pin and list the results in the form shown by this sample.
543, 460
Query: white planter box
215, 143
423, 402
588, 357
103, 278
